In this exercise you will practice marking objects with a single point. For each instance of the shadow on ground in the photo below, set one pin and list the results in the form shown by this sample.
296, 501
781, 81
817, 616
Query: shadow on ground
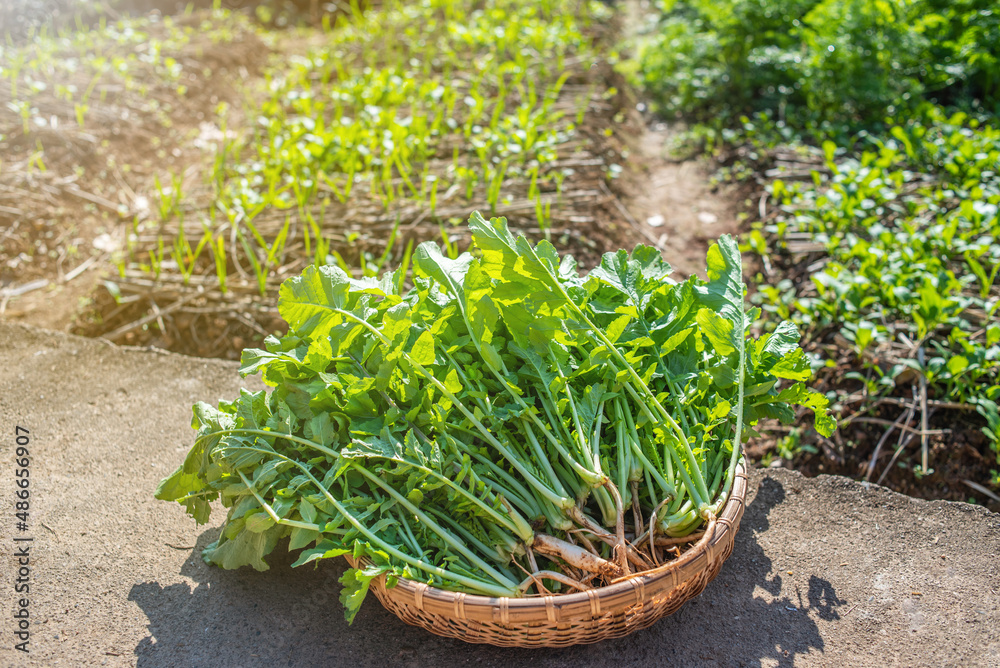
286, 617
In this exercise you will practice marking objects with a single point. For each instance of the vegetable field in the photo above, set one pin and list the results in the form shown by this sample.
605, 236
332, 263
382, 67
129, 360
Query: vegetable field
334, 150
867, 135
163, 175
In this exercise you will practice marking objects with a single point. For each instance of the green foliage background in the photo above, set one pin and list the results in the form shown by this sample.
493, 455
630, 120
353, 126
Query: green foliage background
892, 106
822, 65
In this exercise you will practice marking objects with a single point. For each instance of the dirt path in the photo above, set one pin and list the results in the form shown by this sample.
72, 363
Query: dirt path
674, 203
825, 572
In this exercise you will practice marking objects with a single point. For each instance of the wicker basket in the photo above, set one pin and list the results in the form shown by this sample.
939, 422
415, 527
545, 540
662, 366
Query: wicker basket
570, 619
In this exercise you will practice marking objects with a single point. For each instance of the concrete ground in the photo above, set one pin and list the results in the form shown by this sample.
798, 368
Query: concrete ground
826, 571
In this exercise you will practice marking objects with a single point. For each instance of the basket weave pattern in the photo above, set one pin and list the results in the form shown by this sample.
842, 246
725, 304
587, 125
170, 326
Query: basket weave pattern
578, 618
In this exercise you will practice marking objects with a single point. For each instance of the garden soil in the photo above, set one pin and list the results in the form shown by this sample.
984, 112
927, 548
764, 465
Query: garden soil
826, 571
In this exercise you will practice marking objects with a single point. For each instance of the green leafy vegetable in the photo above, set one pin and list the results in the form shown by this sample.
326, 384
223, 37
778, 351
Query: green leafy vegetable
502, 421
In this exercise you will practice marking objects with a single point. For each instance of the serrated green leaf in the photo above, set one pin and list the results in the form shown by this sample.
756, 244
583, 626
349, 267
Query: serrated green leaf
793, 366
246, 549
800, 395
306, 302
356, 583
423, 349
720, 410
617, 328
674, 341
259, 522
717, 330
325, 550
451, 382
182, 487
300, 537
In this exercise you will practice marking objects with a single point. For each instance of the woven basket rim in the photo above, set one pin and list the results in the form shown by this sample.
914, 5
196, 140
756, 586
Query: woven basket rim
635, 583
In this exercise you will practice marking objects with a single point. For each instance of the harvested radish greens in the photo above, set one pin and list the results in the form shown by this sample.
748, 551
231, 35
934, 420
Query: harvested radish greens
507, 425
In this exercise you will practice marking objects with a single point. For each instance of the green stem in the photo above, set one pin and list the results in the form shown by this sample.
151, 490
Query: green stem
595, 441
682, 438
648, 479
585, 473
270, 511
276, 434
737, 441
621, 447
408, 535
608, 511
443, 533
555, 516
516, 525
516, 491
543, 460
668, 488
477, 585
466, 535
697, 486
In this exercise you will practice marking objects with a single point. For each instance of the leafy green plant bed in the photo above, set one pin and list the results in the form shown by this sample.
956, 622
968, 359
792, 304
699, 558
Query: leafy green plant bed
888, 258
505, 425
876, 220
826, 68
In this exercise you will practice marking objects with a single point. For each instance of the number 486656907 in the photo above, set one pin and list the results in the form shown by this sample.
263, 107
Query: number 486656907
21, 473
